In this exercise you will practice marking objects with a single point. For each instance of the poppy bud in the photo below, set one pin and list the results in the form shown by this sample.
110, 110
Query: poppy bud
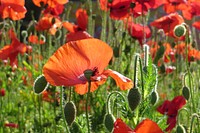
186, 92
116, 51
154, 97
70, 112
2, 92
179, 30
109, 121
134, 98
180, 129
40, 84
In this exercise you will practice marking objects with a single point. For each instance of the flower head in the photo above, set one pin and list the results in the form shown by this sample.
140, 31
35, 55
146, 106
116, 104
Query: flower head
13, 9
168, 22
2, 92
51, 3
11, 51
67, 65
170, 108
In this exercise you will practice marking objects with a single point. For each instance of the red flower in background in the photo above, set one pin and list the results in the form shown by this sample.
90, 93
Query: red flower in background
168, 22
51, 3
142, 6
11, 125
11, 51
119, 9
2, 92
56, 10
196, 25
138, 31
67, 65
191, 10
77, 32
146, 126
50, 23
172, 6
13, 9
170, 108
35, 40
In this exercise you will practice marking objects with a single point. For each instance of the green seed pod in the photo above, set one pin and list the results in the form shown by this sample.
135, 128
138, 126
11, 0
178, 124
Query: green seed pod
186, 92
70, 112
180, 129
154, 97
109, 120
179, 30
134, 98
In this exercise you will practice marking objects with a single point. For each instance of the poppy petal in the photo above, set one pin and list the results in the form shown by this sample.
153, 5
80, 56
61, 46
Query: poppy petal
79, 35
82, 18
67, 64
123, 82
148, 126
83, 88
121, 127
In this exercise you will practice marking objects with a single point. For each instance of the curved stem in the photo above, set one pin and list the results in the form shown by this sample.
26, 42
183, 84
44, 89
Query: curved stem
108, 100
192, 121
179, 112
62, 110
87, 100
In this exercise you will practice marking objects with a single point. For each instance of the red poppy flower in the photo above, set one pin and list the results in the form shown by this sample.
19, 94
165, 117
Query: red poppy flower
11, 125
169, 69
170, 108
56, 10
146, 126
191, 10
167, 23
34, 39
50, 23
11, 51
51, 3
13, 9
119, 9
77, 32
172, 6
142, 6
67, 65
137, 31
2, 92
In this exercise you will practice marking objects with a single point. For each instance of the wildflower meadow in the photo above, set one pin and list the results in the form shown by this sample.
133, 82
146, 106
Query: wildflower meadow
99, 66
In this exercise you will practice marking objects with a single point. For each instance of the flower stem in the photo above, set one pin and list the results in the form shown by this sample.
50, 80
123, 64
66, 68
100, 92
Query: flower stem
62, 110
86, 105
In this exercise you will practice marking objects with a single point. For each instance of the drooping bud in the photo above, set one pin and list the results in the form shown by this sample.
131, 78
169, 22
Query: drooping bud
154, 97
109, 121
40, 84
70, 112
186, 92
179, 30
134, 98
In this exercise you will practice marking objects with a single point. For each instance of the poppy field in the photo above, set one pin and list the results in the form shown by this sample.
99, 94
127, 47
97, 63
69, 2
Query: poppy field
104, 66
